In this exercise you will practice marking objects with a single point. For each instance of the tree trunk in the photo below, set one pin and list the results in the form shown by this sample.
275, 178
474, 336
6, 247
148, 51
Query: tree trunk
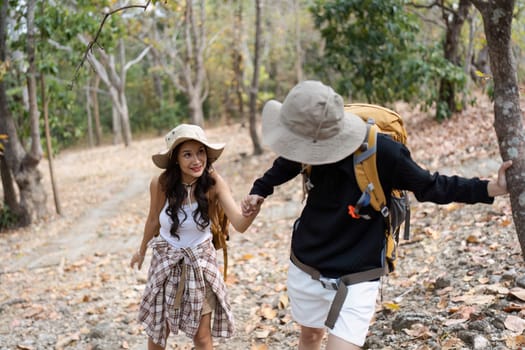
22, 165
12, 148
96, 110
89, 104
32, 194
8, 185
298, 46
467, 64
58, 207
155, 76
195, 71
121, 86
447, 88
237, 60
116, 84
124, 118
497, 20
186, 69
10, 196
195, 108
36, 148
254, 90
117, 130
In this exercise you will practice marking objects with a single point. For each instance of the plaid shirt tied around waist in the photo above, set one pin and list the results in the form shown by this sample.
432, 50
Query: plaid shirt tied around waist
176, 290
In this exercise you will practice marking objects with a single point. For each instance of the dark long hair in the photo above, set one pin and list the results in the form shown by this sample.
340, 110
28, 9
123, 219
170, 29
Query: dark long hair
171, 183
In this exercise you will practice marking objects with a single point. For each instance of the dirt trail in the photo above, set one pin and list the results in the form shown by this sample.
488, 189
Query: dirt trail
65, 283
82, 237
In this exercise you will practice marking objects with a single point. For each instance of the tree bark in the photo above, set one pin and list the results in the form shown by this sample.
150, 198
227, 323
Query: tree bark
186, 69
23, 166
194, 69
124, 115
254, 90
96, 110
89, 104
32, 194
508, 123
298, 46
237, 60
36, 147
8, 185
116, 83
58, 206
454, 23
12, 148
117, 129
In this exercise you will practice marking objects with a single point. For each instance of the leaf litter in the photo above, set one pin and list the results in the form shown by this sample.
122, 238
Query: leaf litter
65, 282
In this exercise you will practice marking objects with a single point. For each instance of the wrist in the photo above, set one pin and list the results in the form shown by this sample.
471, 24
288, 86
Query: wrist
494, 190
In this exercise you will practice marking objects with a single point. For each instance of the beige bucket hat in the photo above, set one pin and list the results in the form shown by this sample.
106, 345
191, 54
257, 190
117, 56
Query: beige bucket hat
180, 134
311, 125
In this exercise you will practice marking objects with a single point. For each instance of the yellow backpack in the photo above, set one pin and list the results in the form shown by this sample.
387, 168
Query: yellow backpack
379, 120
220, 229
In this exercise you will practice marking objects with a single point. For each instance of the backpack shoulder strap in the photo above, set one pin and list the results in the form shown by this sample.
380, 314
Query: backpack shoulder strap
366, 170
220, 228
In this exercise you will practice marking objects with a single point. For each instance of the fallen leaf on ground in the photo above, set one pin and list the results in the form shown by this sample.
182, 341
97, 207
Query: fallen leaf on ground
515, 323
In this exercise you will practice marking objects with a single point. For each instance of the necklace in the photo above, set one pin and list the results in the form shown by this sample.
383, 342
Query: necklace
188, 189
190, 184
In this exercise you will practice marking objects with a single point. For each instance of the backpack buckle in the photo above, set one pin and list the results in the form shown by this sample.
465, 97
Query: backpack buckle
329, 283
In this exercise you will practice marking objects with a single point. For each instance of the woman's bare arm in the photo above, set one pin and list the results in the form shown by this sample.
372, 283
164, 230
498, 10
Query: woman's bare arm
231, 208
152, 225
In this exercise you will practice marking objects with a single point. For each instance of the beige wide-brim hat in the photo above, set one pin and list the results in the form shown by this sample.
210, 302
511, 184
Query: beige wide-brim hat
311, 125
183, 133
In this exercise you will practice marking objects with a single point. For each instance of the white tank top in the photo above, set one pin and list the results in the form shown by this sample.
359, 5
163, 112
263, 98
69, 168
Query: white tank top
190, 235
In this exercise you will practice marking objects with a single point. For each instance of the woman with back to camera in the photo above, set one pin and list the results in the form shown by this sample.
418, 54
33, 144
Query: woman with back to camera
185, 286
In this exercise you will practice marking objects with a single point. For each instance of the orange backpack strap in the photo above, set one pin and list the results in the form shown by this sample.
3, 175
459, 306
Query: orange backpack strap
366, 170
219, 226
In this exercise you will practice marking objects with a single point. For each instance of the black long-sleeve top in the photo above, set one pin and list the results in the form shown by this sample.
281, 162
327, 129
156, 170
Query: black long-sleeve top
327, 238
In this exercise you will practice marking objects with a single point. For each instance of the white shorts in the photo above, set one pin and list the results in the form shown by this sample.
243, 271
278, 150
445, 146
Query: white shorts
310, 303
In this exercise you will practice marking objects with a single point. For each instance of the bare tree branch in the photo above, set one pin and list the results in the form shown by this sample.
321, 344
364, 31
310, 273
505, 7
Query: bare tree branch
439, 4
94, 42
137, 59
59, 46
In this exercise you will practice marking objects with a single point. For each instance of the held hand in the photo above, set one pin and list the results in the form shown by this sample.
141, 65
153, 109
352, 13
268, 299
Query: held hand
251, 204
138, 259
499, 186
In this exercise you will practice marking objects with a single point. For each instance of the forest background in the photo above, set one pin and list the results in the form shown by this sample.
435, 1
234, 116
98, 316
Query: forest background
91, 83
87, 73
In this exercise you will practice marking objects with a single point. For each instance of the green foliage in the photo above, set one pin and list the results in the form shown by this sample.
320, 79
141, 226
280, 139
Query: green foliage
367, 43
66, 117
58, 52
8, 219
372, 48
149, 110
427, 72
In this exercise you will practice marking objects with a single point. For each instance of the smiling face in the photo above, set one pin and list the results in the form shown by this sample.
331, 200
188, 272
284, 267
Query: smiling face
192, 160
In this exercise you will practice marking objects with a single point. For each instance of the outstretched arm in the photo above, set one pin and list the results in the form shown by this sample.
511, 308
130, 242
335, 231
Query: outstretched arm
152, 225
282, 170
231, 208
499, 187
